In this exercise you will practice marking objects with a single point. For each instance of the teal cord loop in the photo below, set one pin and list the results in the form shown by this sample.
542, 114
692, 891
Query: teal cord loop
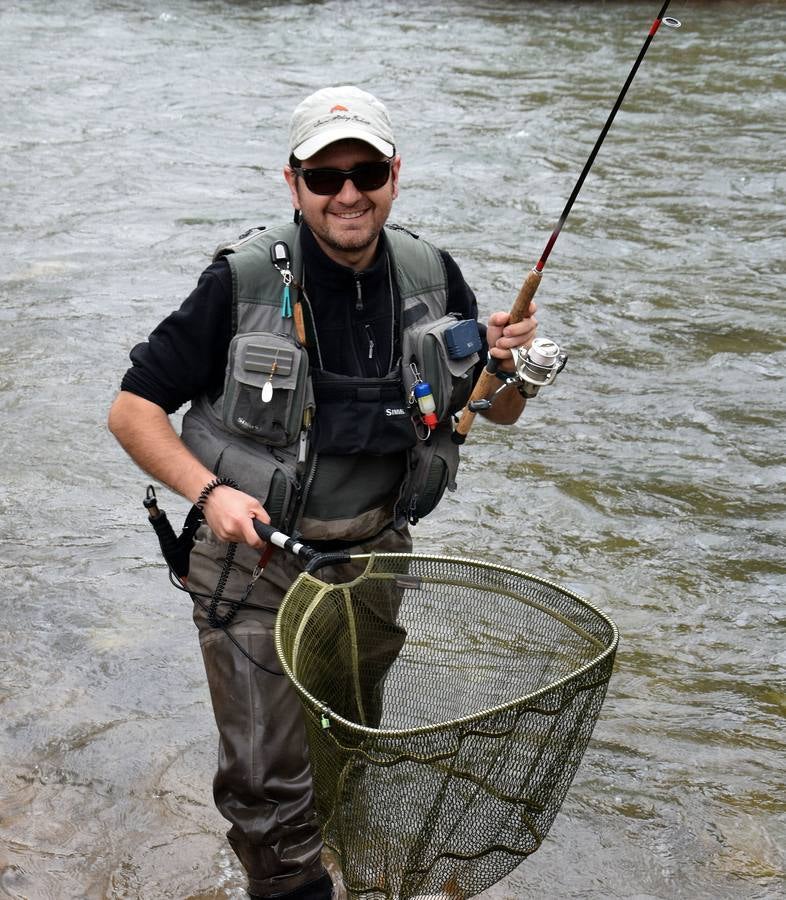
286, 302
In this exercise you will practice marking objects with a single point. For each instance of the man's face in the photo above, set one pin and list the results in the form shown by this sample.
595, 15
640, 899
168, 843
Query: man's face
347, 224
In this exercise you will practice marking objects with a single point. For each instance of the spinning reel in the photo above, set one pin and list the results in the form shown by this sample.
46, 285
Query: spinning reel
536, 367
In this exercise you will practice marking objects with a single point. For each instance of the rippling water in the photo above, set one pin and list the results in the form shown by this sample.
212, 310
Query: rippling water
135, 137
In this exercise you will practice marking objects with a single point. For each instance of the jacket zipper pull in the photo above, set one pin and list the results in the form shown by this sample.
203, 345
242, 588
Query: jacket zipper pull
359, 298
370, 338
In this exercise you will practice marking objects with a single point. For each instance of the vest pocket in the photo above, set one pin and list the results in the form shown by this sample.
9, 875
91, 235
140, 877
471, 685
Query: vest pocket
264, 473
450, 378
266, 389
361, 415
271, 474
432, 469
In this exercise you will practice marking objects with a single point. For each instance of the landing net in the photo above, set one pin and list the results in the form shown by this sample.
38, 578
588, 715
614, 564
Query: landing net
448, 704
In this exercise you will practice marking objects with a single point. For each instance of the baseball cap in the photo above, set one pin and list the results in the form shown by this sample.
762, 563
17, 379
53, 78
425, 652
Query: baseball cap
338, 114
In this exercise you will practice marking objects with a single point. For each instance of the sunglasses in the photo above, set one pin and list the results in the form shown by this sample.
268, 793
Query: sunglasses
369, 176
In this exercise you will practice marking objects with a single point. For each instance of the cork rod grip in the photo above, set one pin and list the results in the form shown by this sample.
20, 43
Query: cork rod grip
488, 380
520, 308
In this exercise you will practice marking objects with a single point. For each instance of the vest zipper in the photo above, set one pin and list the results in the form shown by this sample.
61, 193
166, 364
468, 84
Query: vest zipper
306, 488
305, 469
359, 298
305, 302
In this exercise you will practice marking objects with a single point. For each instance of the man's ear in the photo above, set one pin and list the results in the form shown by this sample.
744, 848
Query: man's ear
395, 167
291, 179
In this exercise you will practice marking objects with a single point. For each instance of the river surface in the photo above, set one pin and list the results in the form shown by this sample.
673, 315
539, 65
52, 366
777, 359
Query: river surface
137, 136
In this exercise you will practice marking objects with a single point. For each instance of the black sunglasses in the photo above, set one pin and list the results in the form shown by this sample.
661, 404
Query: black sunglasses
368, 176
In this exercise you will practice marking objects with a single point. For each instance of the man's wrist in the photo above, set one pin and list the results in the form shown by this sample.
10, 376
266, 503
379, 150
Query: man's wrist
208, 489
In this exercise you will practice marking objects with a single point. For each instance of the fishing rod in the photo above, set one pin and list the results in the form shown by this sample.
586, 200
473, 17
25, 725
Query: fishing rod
541, 364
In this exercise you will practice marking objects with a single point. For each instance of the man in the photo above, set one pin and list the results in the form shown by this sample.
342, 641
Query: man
300, 351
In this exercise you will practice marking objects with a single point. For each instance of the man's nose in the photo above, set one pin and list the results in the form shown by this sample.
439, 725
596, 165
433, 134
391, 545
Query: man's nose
348, 194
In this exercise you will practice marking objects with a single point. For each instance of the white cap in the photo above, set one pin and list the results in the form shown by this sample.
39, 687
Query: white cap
339, 114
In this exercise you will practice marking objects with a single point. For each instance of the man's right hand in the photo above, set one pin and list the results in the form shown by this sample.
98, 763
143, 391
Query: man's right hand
230, 514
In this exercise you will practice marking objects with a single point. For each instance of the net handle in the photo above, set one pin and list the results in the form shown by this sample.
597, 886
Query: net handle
313, 558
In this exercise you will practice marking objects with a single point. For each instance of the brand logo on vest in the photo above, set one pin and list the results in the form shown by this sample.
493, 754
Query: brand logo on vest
245, 424
395, 411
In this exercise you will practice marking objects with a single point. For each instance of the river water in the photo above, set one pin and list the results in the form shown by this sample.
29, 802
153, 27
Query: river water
137, 136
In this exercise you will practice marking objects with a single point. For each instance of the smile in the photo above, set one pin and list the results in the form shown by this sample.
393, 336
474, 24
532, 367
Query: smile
351, 215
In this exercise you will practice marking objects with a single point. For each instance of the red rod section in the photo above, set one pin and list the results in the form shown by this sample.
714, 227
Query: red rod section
601, 137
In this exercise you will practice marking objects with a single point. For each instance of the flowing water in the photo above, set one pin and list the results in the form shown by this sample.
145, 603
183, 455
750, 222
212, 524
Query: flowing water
137, 136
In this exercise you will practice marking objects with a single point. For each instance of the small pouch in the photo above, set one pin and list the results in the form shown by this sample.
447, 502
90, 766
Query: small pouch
267, 390
463, 339
433, 465
450, 378
361, 415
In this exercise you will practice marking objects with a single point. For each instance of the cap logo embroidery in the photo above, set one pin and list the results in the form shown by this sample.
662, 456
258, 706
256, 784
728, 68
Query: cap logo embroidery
339, 108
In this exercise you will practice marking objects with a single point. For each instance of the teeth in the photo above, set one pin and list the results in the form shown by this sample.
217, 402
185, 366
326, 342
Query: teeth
350, 215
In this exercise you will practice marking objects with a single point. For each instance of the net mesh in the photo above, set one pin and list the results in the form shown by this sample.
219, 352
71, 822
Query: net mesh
448, 704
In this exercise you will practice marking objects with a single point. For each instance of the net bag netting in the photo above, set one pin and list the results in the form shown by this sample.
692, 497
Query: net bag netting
447, 703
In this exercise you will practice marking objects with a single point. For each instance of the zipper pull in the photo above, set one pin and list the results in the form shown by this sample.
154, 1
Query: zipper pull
302, 450
305, 431
370, 338
359, 298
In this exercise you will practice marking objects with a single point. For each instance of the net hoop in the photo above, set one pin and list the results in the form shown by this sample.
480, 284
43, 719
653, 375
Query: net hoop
447, 704
315, 704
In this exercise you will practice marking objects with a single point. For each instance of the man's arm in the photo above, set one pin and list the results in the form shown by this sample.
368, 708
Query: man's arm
144, 431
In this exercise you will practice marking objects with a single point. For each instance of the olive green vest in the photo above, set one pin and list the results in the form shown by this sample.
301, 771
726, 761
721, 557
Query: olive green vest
298, 491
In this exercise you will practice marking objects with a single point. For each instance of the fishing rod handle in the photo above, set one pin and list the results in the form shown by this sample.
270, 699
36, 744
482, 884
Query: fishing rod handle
487, 382
520, 309
314, 559
271, 535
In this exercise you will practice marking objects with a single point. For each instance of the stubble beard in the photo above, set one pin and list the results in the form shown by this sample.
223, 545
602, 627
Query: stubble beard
343, 243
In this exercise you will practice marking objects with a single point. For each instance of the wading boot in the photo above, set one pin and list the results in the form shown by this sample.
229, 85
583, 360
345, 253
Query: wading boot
321, 889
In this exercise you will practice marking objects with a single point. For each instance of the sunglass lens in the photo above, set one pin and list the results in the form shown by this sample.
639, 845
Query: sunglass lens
366, 177
323, 181
371, 176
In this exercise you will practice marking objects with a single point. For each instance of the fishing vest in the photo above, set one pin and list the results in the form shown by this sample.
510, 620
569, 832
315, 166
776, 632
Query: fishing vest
296, 437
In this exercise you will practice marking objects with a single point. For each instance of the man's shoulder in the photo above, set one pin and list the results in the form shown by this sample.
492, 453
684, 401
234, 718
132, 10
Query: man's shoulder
421, 259
402, 233
403, 240
252, 237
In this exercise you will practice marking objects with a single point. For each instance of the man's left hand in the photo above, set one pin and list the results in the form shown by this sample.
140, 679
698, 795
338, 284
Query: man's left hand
502, 336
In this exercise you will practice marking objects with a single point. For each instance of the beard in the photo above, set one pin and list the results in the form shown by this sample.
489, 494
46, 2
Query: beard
340, 239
